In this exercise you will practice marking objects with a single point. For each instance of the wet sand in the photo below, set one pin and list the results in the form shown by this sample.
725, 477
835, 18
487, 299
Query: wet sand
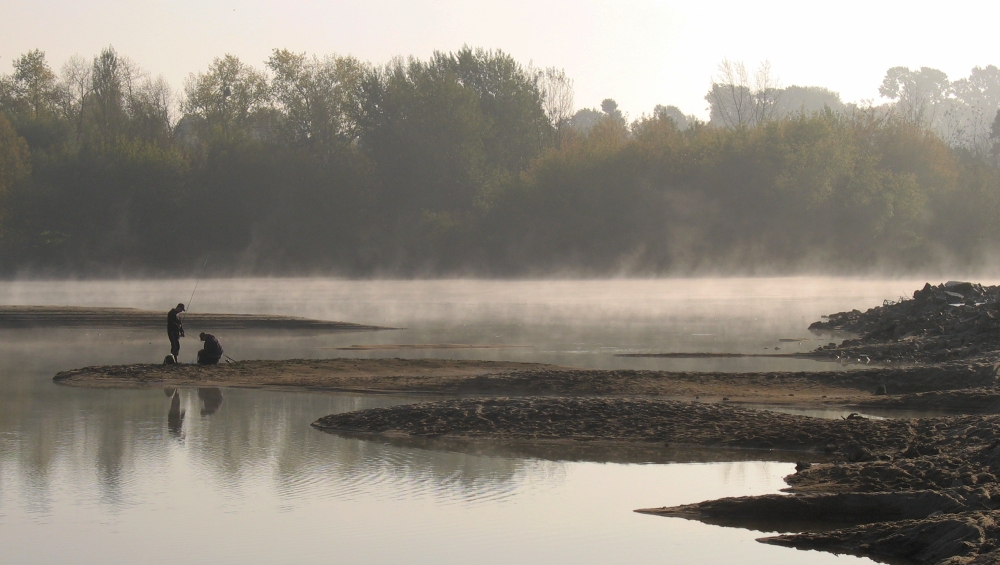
94, 317
402, 346
962, 386
466, 378
411, 376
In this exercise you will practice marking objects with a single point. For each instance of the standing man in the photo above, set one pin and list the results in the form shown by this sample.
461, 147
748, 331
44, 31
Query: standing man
175, 330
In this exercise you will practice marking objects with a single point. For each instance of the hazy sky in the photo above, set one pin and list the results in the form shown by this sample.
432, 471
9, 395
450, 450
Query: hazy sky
639, 52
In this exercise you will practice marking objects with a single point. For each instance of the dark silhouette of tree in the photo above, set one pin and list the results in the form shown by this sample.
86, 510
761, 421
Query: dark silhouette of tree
15, 163
457, 165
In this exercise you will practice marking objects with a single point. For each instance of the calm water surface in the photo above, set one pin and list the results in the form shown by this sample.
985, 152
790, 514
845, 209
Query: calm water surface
93, 476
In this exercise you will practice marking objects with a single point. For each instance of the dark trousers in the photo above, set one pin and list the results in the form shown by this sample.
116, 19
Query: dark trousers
205, 358
175, 343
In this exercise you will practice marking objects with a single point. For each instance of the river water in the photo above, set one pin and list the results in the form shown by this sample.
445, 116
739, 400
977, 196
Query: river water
119, 476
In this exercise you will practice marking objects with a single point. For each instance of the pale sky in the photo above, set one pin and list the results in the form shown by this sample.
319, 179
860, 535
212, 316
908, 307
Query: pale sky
639, 52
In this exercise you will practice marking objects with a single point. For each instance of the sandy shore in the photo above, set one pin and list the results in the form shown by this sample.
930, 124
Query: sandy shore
413, 376
956, 387
76, 316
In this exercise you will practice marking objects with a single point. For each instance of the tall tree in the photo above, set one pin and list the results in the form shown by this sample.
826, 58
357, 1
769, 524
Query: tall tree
611, 111
15, 161
739, 100
34, 84
979, 98
230, 99
317, 96
109, 82
424, 130
556, 90
516, 127
672, 113
807, 99
75, 89
919, 95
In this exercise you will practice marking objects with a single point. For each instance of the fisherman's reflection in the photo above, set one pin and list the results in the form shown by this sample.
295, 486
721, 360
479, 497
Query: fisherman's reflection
175, 418
212, 397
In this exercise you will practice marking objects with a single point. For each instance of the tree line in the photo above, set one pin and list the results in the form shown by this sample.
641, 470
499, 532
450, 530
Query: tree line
470, 163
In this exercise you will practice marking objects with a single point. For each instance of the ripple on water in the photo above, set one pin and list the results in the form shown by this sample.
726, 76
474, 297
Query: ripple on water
387, 473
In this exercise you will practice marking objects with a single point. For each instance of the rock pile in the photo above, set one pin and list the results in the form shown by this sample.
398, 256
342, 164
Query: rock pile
967, 538
954, 320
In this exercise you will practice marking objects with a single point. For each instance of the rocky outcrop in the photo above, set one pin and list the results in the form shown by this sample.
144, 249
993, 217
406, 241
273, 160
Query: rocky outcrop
800, 511
947, 539
953, 320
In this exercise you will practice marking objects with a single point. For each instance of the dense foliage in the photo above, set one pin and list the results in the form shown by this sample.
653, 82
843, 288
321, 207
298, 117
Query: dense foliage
468, 163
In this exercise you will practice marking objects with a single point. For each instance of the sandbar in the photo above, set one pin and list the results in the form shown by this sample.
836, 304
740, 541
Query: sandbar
17, 317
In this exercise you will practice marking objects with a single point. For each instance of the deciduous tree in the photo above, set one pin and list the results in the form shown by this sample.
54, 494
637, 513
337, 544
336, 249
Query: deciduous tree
738, 100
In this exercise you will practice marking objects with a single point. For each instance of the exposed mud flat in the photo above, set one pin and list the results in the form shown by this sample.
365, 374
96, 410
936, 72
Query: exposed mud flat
625, 421
362, 375
415, 346
94, 317
975, 400
462, 377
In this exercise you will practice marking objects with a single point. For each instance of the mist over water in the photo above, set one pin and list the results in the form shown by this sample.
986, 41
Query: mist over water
577, 323
111, 476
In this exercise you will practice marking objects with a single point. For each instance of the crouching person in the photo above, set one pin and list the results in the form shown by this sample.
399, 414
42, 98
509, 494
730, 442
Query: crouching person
212, 352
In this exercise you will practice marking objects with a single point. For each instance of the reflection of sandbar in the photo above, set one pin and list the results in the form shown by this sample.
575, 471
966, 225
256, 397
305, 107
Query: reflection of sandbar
382, 346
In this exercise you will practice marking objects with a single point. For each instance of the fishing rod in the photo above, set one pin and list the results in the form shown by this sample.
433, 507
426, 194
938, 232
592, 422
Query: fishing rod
201, 273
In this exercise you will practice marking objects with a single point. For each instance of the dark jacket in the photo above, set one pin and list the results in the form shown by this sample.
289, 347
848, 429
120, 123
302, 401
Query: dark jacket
212, 346
174, 326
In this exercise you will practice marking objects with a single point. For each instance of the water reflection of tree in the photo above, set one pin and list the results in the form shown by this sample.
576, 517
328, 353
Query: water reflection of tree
271, 431
109, 438
82, 435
